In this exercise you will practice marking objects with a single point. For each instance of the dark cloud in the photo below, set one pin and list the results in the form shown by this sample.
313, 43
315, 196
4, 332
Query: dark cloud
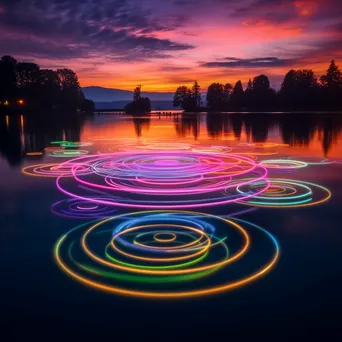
203, 3
274, 10
265, 62
120, 29
171, 68
131, 30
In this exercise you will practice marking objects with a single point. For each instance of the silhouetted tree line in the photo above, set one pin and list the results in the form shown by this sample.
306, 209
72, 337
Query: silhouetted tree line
300, 90
25, 86
188, 99
140, 105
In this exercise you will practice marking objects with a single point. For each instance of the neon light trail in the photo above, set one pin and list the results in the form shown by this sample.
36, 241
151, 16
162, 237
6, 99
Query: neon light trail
167, 252
198, 179
133, 254
171, 169
74, 208
68, 153
286, 193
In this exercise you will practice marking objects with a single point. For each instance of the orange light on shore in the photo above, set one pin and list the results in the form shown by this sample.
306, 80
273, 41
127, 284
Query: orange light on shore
21, 102
6, 103
34, 153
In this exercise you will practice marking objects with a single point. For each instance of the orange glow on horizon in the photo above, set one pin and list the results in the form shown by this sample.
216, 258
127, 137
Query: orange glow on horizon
205, 77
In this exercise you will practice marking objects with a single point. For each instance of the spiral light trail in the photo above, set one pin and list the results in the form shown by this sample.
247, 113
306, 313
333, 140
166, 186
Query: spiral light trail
167, 252
195, 246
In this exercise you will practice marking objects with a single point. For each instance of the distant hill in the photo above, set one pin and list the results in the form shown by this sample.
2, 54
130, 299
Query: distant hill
110, 98
156, 105
101, 94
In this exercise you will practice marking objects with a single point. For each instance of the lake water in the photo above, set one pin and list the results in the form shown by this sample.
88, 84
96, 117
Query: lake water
276, 176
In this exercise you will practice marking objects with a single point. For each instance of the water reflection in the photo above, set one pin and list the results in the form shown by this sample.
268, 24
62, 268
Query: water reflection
20, 135
294, 129
141, 123
301, 130
187, 125
237, 125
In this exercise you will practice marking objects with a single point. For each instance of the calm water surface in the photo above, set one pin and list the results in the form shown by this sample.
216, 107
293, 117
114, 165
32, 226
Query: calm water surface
300, 298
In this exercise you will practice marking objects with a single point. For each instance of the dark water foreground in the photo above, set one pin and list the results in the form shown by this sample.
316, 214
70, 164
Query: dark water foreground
300, 299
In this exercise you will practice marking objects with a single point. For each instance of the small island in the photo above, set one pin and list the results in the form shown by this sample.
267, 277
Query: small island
139, 105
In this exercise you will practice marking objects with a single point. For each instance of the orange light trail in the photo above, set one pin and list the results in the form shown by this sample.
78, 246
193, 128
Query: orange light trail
167, 294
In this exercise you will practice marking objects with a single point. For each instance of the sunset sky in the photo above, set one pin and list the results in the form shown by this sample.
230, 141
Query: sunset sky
163, 44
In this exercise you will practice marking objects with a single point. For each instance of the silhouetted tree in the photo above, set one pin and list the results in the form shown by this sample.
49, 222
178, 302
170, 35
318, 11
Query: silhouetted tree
261, 83
248, 95
228, 89
137, 93
185, 98
139, 104
190, 104
88, 106
332, 86
249, 85
143, 105
216, 96
71, 96
181, 94
299, 90
49, 85
196, 94
27, 76
259, 95
333, 77
237, 96
8, 81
